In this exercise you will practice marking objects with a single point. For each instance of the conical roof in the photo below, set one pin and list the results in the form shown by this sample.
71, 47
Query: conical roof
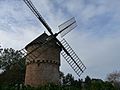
39, 40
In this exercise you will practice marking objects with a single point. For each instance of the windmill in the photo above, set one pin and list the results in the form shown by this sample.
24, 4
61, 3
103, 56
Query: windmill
46, 49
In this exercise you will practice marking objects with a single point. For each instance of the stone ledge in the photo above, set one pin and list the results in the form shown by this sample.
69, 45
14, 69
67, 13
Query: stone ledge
43, 61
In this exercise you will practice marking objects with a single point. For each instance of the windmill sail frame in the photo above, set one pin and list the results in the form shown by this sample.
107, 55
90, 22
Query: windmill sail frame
66, 27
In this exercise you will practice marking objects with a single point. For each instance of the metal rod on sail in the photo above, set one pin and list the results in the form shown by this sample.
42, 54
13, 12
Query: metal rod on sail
67, 52
65, 28
38, 15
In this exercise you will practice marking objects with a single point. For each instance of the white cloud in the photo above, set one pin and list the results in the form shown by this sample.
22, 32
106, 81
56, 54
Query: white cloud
100, 55
99, 51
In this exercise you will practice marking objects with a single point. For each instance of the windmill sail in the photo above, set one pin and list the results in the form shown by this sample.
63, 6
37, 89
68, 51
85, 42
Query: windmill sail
67, 51
38, 15
67, 26
72, 59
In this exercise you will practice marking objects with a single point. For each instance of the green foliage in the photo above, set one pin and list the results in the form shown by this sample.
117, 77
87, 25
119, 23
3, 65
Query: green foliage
68, 79
114, 78
95, 85
13, 64
8, 57
87, 80
98, 84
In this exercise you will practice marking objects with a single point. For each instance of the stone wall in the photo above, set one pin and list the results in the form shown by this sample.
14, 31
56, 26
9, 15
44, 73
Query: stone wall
42, 64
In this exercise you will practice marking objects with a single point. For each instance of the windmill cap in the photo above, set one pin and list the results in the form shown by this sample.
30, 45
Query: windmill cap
39, 40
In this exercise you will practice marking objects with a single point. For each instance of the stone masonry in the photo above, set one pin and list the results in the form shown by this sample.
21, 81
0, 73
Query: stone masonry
42, 64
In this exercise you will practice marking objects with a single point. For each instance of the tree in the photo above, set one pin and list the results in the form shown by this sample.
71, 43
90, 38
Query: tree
61, 77
9, 57
87, 80
68, 79
114, 77
13, 64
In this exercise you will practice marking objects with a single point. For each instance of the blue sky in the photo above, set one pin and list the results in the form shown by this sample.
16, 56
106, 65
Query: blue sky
96, 39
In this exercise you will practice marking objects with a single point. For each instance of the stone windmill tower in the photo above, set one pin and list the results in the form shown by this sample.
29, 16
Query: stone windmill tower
43, 53
43, 63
